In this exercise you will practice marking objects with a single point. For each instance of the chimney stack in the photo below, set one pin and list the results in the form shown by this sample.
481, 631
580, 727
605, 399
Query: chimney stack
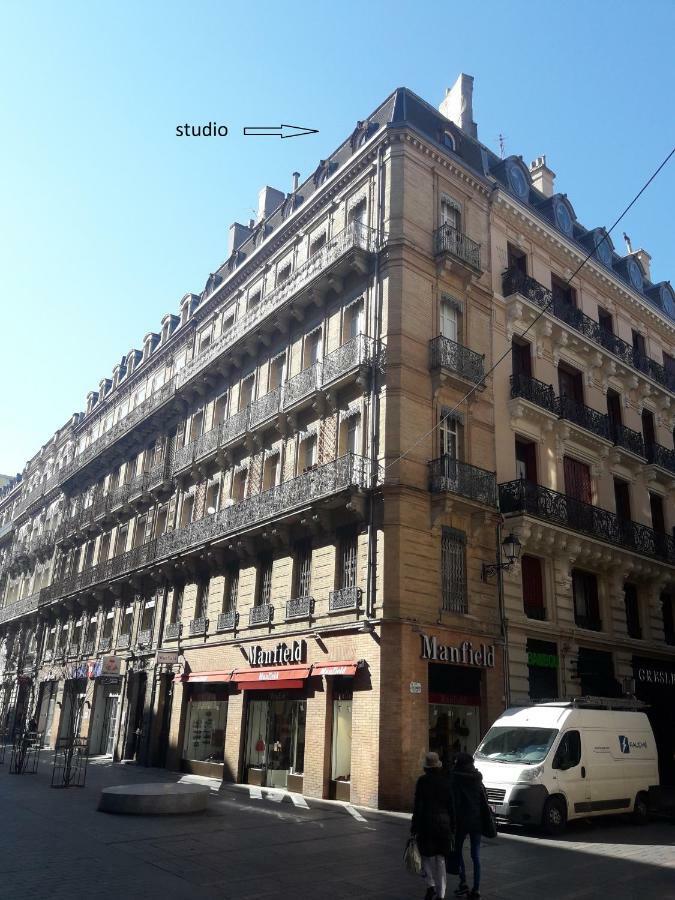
268, 200
542, 176
237, 236
645, 261
458, 105
296, 181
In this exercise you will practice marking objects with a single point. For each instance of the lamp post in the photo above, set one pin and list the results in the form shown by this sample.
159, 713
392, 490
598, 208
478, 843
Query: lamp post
510, 548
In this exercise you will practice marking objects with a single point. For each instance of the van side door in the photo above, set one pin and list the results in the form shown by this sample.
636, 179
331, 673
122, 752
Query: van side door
569, 773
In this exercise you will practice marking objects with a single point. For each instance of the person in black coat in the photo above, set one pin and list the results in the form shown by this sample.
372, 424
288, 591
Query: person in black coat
470, 803
433, 824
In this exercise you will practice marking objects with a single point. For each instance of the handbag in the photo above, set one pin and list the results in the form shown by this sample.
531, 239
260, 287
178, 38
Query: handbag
412, 858
488, 823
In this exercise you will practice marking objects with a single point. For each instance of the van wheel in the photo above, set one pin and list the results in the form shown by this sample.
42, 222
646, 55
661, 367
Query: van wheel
554, 816
641, 810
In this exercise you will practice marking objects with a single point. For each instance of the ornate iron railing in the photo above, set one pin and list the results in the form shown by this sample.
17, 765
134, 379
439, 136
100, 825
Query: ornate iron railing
123, 641
228, 621
198, 626
515, 282
302, 385
264, 408
448, 474
88, 647
172, 631
144, 637
354, 354
300, 608
48, 655
235, 427
447, 354
19, 608
354, 237
345, 599
537, 392
661, 456
447, 239
104, 644
543, 503
261, 615
628, 439
585, 417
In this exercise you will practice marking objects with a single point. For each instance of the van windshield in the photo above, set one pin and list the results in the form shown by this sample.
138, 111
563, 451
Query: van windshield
521, 745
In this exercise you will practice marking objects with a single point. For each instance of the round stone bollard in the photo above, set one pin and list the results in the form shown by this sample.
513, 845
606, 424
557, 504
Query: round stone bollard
154, 799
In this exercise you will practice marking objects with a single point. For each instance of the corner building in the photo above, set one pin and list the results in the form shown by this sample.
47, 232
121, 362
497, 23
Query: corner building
258, 553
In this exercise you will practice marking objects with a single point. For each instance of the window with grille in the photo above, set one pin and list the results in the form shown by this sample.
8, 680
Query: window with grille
231, 590
348, 547
176, 604
453, 571
303, 576
265, 583
201, 603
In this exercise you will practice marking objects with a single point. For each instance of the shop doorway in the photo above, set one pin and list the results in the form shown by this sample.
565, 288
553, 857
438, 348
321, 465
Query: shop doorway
46, 710
107, 744
205, 724
72, 708
275, 742
454, 710
136, 690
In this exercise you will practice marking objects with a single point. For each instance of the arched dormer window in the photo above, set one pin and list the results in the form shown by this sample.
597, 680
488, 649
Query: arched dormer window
448, 140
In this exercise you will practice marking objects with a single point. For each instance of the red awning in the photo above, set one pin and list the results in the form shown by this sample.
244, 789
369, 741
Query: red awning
198, 677
343, 667
270, 678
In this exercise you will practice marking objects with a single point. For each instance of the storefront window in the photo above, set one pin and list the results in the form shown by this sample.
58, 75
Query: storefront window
275, 739
205, 728
342, 740
542, 667
454, 710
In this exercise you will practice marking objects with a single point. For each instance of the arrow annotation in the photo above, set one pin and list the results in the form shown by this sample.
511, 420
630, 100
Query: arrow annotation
282, 131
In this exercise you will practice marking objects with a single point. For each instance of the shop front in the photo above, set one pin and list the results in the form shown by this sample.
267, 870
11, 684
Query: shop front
105, 716
205, 725
655, 685
46, 708
542, 669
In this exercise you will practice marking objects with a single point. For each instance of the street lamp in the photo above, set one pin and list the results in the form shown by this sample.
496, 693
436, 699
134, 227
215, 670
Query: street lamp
511, 548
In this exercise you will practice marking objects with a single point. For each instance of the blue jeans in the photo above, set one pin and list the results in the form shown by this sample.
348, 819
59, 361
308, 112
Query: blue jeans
474, 837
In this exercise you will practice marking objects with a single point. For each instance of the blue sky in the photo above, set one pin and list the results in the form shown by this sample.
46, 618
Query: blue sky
107, 218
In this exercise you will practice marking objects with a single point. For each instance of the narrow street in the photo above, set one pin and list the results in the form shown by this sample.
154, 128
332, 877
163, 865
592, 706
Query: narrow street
262, 844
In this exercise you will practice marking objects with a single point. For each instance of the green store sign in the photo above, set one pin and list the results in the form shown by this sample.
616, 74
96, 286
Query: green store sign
542, 660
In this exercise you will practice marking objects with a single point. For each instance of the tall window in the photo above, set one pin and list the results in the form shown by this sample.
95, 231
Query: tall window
533, 587
231, 594
450, 213
352, 321
658, 518
667, 607
562, 292
585, 596
449, 320
303, 570
176, 603
246, 392
648, 429
605, 320
449, 432
276, 373
614, 411
516, 259
521, 358
347, 560
453, 571
632, 607
570, 383
271, 472
202, 601
308, 454
312, 349
264, 582
577, 480
526, 460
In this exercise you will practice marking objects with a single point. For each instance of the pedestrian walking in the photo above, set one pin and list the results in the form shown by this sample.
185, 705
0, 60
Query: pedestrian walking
473, 818
433, 824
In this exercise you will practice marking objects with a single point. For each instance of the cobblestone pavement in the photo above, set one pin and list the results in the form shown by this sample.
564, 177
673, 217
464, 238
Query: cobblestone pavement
54, 844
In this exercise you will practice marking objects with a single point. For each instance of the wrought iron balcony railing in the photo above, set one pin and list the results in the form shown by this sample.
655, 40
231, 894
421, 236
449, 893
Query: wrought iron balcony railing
104, 644
88, 647
355, 237
261, 615
302, 385
448, 239
300, 608
535, 391
144, 637
517, 497
265, 408
661, 456
585, 417
123, 641
48, 655
627, 438
19, 608
228, 621
198, 626
456, 477
355, 354
446, 354
345, 599
172, 631
349, 471
515, 282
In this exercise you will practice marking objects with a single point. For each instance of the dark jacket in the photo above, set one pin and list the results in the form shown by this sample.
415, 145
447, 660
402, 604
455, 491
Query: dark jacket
469, 796
433, 821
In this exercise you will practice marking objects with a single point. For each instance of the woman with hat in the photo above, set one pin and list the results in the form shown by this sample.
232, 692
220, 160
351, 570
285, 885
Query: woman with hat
433, 824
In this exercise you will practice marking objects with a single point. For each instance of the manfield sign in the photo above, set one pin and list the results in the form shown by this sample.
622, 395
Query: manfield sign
464, 654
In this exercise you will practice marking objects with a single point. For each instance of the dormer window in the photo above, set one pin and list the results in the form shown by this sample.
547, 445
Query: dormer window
518, 180
448, 140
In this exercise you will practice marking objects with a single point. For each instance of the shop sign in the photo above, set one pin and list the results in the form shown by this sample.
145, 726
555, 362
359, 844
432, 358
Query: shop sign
415, 687
542, 660
656, 676
166, 657
464, 654
110, 679
282, 654
111, 665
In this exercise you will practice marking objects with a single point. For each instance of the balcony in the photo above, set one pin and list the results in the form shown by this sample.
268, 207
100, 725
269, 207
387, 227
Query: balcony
356, 355
144, 638
627, 439
344, 599
19, 608
302, 386
661, 456
524, 497
104, 644
452, 357
453, 476
172, 631
514, 282
343, 474
260, 615
88, 648
123, 641
198, 626
299, 608
264, 409
48, 655
448, 241
585, 417
349, 249
534, 391
228, 621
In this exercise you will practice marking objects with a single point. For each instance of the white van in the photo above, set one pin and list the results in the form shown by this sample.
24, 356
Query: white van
551, 762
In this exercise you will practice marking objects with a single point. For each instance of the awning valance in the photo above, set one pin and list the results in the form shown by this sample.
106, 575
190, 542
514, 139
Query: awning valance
343, 667
269, 678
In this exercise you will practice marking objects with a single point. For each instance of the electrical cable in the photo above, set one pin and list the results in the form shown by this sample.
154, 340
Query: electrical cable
508, 350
